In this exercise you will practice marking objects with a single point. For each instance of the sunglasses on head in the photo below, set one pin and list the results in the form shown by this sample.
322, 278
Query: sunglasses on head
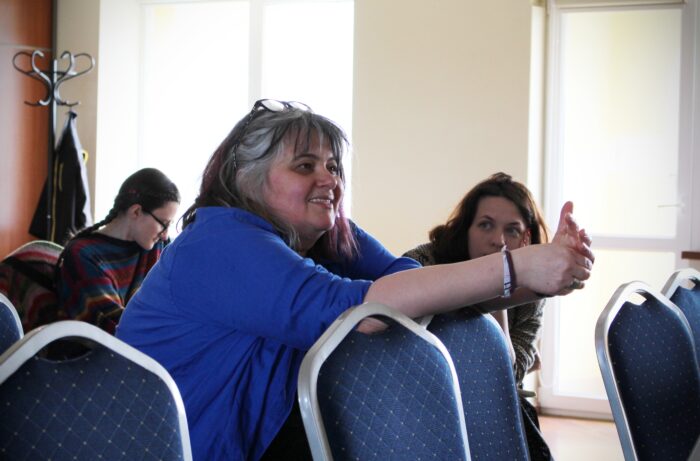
265, 105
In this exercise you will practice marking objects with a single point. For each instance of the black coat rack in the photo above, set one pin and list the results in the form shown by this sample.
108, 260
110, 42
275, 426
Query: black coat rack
52, 79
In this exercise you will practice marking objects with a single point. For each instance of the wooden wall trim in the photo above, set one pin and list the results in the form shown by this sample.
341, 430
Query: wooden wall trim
24, 25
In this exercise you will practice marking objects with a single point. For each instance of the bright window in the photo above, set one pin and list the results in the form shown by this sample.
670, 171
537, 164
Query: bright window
619, 119
614, 147
204, 63
194, 85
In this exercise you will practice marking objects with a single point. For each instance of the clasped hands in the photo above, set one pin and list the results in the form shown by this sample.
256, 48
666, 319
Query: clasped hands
572, 260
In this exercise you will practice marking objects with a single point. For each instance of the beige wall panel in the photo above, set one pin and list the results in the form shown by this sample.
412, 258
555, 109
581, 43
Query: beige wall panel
440, 102
78, 32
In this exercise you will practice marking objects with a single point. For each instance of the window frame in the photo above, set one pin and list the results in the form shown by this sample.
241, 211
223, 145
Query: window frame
550, 398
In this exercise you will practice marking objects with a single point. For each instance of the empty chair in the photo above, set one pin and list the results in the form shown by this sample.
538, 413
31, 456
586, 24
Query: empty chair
27, 279
489, 394
647, 358
112, 403
683, 288
388, 396
10, 325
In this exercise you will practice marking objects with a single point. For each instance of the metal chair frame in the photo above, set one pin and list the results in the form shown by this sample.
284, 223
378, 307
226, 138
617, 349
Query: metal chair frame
324, 347
677, 278
34, 341
605, 320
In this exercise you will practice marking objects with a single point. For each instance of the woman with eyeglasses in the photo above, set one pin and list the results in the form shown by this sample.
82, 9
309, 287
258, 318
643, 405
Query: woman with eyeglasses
268, 260
498, 213
103, 265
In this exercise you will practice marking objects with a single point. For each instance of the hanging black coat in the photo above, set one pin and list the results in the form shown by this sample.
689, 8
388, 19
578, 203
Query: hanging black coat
70, 197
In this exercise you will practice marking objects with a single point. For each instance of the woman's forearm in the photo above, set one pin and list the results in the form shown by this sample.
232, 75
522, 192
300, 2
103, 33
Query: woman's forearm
547, 268
519, 297
440, 288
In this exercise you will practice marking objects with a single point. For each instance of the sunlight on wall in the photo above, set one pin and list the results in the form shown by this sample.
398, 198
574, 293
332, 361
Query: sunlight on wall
194, 86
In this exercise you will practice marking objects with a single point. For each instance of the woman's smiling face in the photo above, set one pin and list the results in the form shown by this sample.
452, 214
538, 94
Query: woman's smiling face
304, 189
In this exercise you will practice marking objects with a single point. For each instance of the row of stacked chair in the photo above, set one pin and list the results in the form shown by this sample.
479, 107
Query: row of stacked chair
409, 397
442, 392
397, 394
649, 359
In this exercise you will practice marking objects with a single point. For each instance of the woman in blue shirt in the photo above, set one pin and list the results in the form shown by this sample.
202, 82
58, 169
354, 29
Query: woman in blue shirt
267, 261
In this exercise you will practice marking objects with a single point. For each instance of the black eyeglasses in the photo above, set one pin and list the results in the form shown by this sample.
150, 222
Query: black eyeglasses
157, 219
265, 105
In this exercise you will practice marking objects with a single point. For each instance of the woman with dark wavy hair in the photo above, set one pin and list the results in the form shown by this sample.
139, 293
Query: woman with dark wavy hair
267, 261
498, 213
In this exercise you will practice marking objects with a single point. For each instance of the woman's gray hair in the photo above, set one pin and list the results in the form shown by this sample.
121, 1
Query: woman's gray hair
238, 170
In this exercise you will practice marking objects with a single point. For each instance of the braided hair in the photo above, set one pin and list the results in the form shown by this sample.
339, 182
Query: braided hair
147, 187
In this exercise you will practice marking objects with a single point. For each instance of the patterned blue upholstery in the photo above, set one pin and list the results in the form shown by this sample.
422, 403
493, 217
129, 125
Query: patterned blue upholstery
647, 357
101, 405
687, 299
10, 326
486, 380
389, 396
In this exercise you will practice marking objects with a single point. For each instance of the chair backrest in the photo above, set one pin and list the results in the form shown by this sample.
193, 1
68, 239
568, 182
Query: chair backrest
113, 402
10, 325
647, 358
27, 279
480, 354
683, 289
393, 395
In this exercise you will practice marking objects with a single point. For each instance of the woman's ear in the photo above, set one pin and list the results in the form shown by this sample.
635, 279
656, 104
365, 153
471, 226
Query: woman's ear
527, 237
134, 211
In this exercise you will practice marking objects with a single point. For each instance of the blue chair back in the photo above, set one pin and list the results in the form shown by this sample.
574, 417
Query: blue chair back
10, 324
111, 403
683, 289
647, 358
388, 396
489, 393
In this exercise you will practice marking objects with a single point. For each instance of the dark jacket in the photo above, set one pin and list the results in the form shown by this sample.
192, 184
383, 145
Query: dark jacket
70, 197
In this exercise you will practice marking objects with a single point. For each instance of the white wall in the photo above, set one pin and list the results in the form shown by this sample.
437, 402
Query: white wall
78, 32
440, 102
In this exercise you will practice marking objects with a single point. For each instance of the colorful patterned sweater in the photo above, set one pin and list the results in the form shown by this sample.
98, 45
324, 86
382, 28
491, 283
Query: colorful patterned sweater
27, 279
99, 275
